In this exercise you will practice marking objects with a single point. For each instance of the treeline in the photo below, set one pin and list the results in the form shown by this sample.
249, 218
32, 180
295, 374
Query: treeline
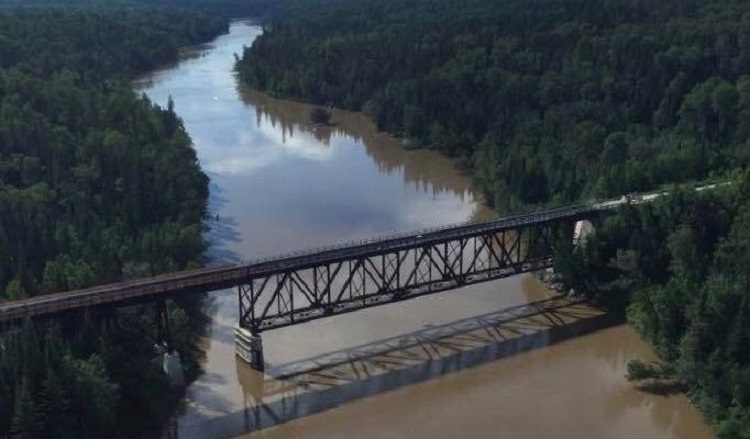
679, 267
552, 101
97, 184
548, 100
219, 9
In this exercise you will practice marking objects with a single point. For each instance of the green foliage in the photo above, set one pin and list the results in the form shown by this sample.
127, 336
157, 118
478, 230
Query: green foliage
551, 102
638, 370
558, 100
97, 184
57, 394
682, 262
320, 116
92, 177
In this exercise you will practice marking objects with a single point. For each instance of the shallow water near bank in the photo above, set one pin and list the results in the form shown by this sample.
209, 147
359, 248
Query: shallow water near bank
505, 358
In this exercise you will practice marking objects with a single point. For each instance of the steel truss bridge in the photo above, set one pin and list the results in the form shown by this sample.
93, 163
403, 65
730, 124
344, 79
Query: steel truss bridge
292, 289
360, 276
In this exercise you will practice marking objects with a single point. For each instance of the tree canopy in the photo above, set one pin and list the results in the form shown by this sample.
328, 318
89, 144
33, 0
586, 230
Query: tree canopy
678, 268
97, 184
554, 101
548, 100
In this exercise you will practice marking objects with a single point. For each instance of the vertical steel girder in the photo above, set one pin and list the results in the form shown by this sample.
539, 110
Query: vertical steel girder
301, 294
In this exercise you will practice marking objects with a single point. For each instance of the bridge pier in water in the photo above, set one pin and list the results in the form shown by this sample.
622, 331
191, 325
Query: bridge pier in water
300, 288
171, 362
249, 347
583, 229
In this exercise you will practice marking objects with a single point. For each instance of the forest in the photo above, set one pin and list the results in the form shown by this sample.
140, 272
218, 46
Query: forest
548, 101
678, 269
557, 101
97, 185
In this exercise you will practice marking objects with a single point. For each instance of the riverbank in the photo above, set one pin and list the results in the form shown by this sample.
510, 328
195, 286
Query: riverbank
554, 123
96, 185
280, 185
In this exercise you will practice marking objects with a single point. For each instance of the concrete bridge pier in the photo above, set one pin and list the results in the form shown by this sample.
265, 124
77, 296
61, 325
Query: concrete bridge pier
171, 362
172, 366
249, 347
583, 229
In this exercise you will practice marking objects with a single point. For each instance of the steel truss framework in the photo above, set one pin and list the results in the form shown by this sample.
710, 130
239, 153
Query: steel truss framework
299, 294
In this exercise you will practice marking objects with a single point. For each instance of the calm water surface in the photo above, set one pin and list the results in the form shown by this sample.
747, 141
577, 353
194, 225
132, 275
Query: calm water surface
502, 359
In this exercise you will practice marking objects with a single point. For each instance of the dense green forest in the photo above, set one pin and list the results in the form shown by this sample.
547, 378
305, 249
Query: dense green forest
680, 267
548, 100
218, 9
554, 101
97, 184
110, 178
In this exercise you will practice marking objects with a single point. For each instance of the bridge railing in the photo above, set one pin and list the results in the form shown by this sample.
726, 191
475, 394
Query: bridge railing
230, 275
424, 234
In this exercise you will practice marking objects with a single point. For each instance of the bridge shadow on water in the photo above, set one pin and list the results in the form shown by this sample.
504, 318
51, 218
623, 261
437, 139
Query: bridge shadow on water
313, 385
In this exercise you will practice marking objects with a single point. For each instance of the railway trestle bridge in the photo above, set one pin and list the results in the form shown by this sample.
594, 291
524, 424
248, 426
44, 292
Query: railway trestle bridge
288, 290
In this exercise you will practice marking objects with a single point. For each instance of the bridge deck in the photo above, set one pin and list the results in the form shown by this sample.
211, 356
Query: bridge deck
210, 279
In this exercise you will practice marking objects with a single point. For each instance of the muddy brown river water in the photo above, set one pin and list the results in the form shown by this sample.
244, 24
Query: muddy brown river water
502, 359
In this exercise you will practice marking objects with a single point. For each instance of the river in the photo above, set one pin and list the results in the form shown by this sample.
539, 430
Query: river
501, 359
